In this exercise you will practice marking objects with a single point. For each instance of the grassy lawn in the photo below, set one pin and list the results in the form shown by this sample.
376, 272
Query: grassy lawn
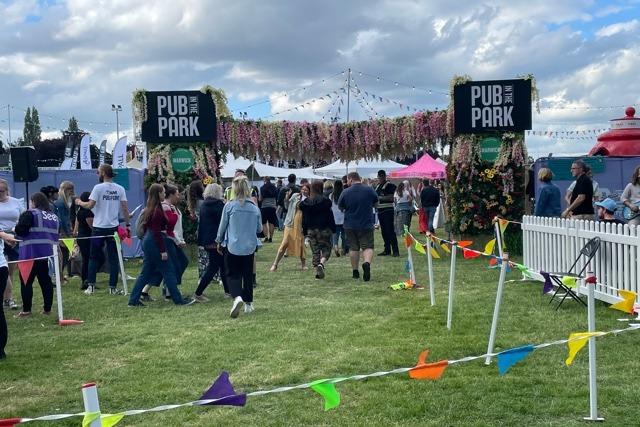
304, 329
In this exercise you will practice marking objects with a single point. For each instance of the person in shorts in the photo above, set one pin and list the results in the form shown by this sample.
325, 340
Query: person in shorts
357, 202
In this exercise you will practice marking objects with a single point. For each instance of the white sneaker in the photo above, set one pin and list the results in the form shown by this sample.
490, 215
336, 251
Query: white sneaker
248, 307
90, 289
236, 307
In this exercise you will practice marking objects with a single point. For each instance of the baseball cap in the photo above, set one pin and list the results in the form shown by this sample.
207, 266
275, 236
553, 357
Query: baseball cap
608, 204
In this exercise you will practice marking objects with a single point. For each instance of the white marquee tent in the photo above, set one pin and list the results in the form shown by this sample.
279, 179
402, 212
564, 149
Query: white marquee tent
366, 168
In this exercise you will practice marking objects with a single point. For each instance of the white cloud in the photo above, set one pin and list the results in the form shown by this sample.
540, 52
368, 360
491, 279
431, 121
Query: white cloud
34, 84
620, 27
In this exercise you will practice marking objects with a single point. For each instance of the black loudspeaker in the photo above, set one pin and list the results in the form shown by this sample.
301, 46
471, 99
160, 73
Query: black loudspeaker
23, 163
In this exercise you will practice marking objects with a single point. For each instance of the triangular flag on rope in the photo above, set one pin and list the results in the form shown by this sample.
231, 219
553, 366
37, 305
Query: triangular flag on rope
445, 248
427, 371
25, 269
470, 253
508, 358
89, 417
493, 261
488, 249
419, 248
408, 240
568, 281
577, 340
626, 305
68, 243
465, 243
523, 269
548, 286
223, 390
435, 253
503, 224
109, 420
328, 392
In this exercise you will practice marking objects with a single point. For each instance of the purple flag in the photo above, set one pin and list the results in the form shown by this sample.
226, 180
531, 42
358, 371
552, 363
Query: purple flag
548, 286
222, 388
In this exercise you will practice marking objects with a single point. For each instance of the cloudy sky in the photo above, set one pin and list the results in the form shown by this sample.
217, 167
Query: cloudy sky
78, 57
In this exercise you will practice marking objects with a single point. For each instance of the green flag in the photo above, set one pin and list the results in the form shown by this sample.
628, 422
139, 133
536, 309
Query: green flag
328, 392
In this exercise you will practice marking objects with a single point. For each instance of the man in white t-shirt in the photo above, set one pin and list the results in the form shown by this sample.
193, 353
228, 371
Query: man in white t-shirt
106, 201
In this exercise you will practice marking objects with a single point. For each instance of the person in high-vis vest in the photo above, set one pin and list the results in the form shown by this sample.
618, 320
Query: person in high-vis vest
37, 230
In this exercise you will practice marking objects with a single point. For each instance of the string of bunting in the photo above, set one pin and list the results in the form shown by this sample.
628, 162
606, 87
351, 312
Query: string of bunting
307, 103
627, 297
222, 392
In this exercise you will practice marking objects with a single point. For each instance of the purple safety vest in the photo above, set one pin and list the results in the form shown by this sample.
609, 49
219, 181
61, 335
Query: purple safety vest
42, 235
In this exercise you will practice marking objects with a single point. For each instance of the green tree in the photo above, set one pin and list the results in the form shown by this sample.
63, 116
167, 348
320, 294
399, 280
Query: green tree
27, 130
35, 125
73, 125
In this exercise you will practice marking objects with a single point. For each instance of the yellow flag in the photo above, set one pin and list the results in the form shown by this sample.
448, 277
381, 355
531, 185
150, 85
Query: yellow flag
445, 248
89, 417
488, 249
109, 420
68, 243
577, 340
569, 282
420, 248
434, 253
503, 224
626, 305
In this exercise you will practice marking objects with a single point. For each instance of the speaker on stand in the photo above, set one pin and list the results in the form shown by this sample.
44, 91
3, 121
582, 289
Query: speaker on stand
23, 164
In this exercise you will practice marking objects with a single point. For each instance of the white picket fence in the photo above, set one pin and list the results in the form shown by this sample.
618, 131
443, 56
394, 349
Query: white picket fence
552, 245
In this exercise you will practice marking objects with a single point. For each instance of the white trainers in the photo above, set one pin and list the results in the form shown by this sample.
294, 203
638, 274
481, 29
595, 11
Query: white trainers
90, 289
248, 307
236, 307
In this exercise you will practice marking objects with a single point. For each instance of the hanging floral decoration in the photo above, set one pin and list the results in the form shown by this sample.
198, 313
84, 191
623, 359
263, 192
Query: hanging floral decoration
139, 105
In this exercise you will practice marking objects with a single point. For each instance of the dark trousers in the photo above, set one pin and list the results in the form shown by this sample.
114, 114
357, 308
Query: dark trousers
85, 252
215, 265
387, 220
4, 335
41, 271
96, 257
179, 259
152, 263
240, 275
430, 212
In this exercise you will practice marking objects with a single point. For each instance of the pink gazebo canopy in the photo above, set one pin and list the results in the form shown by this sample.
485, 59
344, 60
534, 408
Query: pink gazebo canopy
424, 167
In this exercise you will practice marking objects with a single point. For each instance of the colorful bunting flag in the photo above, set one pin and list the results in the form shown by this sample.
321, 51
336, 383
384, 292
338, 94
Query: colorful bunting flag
493, 262
445, 248
488, 249
328, 392
465, 243
523, 269
89, 417
503, 224
470, 254
419, 248
107, 420
577, 340
568, 281
628, 299
427, 371
68, 243
25, 269
435, 253
548, 286
222, 388
408, 240
508, 358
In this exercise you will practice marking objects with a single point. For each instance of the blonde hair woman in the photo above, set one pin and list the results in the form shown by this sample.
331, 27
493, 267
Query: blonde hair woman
548, 200
10, 210
237, 240
66, 210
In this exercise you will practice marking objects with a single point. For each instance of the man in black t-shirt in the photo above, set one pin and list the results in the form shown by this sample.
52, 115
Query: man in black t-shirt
429, 199
385, 191
581, 202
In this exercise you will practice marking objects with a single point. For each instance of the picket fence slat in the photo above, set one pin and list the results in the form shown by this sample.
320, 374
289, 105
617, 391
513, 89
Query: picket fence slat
552, 245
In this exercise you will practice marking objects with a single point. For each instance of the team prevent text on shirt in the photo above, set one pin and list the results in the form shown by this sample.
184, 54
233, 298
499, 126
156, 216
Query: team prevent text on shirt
108, 197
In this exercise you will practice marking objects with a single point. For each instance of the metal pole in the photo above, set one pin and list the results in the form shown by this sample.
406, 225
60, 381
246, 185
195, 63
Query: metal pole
117, 125
348, 91
430, 270
452, 278
56, 268
91, 403
9, 114
496, 308
121, 262
412, 272
498, 236
591, 318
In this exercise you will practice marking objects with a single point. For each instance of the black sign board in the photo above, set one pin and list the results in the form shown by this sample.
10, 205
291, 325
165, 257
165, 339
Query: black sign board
496, 105
183, 116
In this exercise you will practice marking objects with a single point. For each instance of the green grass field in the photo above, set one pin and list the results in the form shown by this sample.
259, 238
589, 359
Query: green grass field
305, 329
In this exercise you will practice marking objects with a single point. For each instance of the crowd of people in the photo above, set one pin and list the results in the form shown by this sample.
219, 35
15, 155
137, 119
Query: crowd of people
328, 217
583, 198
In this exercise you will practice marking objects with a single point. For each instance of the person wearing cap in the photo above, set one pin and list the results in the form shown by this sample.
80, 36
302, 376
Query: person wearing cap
606, 209
106, 201
385, 191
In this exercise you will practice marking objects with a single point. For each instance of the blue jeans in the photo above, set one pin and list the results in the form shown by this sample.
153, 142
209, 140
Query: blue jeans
152, 264
339, 234
430, 213
179, 259
97, 258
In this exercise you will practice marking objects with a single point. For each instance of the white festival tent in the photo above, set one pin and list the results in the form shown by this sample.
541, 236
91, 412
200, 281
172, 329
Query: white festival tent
256, 170
366, 168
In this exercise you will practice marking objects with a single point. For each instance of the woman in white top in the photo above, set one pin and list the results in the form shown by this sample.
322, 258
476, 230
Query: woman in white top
10, 210
403, 205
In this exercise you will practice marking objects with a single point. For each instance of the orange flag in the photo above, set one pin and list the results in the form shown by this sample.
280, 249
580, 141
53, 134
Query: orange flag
465, 243
428, 371
469, 253
503, 224
408, 240
493, 261
25, 269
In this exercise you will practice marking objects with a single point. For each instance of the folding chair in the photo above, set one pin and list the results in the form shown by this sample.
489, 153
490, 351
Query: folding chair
588, 251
